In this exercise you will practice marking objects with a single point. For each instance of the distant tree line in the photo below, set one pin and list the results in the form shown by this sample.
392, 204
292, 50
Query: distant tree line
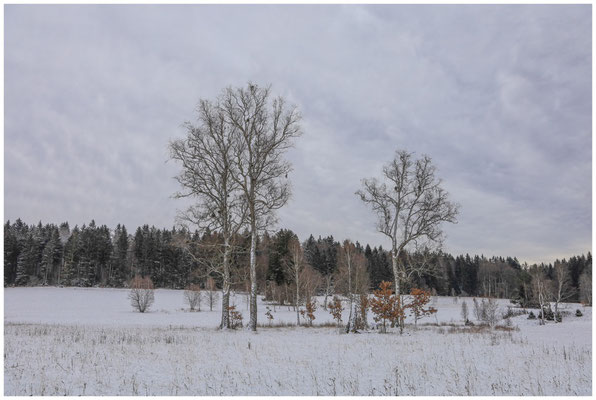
93, 255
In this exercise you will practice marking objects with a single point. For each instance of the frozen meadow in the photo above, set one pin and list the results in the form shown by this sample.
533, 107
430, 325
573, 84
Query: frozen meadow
72, 341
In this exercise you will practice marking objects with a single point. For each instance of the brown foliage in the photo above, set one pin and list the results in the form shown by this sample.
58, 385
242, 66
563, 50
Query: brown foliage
235, 317
420, 299
385, 305
309, 312
335, 309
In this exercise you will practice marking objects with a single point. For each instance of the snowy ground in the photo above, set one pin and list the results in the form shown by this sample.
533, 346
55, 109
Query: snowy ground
89, 342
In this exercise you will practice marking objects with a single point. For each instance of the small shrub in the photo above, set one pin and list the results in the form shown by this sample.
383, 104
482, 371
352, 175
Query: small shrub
309, 313
511, 312
578, 313
531, 315
235, 318
269, 316
464, 311
335, 309
385, 305
549, 315
477, 310
141, 293
193, 295
420, 298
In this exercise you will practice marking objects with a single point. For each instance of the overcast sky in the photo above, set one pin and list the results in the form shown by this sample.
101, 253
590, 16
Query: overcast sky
498, 96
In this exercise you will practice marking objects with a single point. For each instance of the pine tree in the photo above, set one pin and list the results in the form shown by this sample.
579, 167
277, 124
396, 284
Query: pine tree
118, 275
51, 257
26, 262
72, 256
11, 254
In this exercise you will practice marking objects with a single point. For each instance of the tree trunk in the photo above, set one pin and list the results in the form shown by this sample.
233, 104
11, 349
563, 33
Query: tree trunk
297, 300
253, 274
350, 324
396, 278
225, 289
327, 289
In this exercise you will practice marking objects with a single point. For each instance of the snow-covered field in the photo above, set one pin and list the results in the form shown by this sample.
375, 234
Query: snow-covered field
74, 341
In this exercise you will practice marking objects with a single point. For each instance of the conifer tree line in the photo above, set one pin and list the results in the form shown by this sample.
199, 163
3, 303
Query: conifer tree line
91, 255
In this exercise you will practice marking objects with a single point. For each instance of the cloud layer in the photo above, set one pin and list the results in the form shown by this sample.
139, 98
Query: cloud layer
498, 96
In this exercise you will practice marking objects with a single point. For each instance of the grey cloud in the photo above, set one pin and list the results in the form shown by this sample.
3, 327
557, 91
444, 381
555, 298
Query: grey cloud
498, 96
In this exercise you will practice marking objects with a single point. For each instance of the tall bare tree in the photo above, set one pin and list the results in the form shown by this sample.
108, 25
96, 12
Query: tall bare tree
207, 158
585, 288
541, 289
295, 267
263, 128
410, 205
562, 287
352, 277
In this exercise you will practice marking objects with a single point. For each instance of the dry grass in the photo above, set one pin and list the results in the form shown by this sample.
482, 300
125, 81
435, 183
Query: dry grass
73, 360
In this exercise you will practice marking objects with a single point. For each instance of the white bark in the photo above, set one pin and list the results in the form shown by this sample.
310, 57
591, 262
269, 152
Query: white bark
410, 205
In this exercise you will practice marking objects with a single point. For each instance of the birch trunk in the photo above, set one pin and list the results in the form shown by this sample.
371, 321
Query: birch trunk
225, 297
396, 277
297, 297
253, 276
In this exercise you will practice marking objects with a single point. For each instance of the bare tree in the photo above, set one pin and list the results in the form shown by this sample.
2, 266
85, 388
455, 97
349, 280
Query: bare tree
562, 287
328, 279
212, 294
464, 311
193, 295
541, 292
295, 267
585, 288
410, 205
263, 129
141, 293
208, 176
310, 280
352, 278
490, 309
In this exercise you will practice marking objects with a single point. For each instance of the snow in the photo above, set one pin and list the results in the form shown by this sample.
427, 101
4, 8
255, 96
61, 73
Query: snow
78, 341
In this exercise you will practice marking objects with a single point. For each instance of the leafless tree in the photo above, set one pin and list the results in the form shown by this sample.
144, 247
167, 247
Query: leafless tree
562, 287
211, 294
464, 311
141, 293
585, 288
352, 278
264, 129
207, 156
541, 291
193, 295
410, 205
295, 266
311, 280
490, 309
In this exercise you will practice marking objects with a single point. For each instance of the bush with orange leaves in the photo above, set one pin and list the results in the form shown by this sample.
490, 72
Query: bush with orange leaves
141, 293
335, 309
420, 299
235, 317
309, 313
385, 305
